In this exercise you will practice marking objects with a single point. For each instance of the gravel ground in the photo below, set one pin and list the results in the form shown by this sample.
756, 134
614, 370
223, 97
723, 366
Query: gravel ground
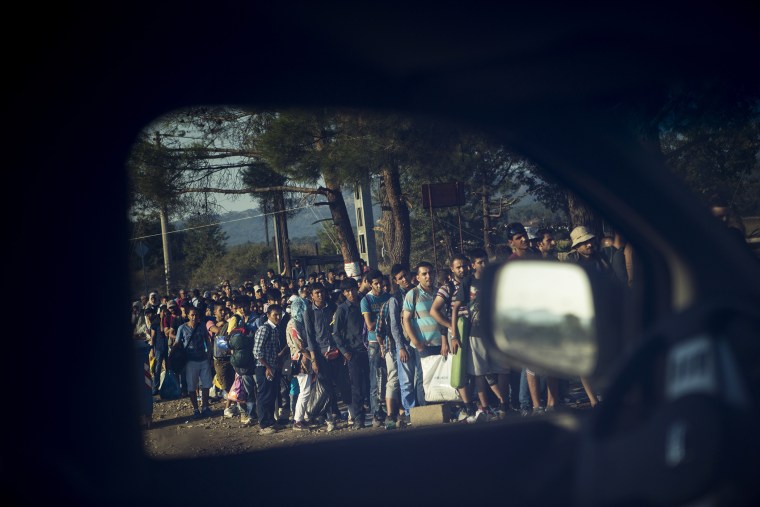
174, 434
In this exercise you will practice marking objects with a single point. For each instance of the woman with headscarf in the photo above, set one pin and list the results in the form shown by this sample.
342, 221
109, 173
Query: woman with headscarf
296, 338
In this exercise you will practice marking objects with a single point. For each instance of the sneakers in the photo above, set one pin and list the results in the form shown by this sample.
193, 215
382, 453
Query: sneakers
403, 421
299, 426
269, 430
376, 423
196, 414
479, 416
206, 412
525, 412
539, 411
358, 424
390, 424
330, 426
245, 419
461, 415
500, 412
229, 413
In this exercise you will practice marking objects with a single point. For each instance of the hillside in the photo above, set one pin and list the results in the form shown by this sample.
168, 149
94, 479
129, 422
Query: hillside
248, 226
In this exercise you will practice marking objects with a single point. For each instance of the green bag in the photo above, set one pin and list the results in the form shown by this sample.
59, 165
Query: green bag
459, 360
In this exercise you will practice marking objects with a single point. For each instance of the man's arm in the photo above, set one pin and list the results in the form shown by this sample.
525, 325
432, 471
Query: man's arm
397, 333
366, 310
308, 324
407, 319
339, 330
455, 338
436, 311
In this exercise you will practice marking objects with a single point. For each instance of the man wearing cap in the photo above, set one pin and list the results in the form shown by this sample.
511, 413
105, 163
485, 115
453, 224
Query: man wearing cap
518, 242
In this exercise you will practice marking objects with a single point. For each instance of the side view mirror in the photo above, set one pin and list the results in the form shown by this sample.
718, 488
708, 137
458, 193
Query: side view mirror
548, 316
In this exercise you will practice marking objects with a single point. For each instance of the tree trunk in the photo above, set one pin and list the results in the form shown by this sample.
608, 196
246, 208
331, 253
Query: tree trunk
396, 224
581, 214
165, 242
282, 230
343, 228
486, 201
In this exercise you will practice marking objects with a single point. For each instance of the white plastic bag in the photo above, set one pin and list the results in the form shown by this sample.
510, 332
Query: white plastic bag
436, 379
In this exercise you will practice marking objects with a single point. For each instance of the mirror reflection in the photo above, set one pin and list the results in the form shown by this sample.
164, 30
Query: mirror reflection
544, 316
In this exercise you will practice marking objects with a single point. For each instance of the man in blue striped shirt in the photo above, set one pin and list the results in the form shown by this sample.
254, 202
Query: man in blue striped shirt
423, 332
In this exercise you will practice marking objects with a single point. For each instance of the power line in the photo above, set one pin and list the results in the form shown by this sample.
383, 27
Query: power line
220, 223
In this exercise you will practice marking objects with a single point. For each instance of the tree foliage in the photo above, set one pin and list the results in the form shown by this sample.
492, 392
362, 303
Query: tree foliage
202, 238
710, 136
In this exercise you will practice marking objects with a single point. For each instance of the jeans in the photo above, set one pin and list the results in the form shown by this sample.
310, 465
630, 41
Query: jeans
249, 384
358, 371
377, 378
392, 391
161, 357
331, 373
525, 401
266, 395
410, 381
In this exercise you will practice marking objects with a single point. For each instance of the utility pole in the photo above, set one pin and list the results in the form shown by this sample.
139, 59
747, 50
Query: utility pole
365, 222
163, 214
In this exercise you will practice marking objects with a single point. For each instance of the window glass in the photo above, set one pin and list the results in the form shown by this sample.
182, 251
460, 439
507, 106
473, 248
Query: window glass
222, 196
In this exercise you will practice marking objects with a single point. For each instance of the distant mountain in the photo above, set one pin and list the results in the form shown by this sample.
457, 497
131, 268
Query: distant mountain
248, 226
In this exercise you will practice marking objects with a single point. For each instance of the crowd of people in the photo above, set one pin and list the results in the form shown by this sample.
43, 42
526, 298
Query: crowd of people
293, 347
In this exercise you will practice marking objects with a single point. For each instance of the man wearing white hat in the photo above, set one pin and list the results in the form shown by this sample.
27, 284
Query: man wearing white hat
585, 252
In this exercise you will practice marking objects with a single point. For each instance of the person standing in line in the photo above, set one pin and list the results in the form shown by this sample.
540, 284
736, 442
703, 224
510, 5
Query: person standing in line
412, 376
326, 359
547, 250
347, 333
480, 363
370, 307
301, 358
265, 350
192, 336
585, 253
441, 312
521, 249
424, 335
160, 345
225, 373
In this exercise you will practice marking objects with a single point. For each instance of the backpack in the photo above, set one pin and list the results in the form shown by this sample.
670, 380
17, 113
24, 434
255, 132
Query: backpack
196, 344
241, 344
473, 305
383, 325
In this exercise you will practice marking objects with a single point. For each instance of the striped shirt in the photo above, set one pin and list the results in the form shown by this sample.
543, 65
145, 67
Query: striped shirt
265, 344
425, 327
